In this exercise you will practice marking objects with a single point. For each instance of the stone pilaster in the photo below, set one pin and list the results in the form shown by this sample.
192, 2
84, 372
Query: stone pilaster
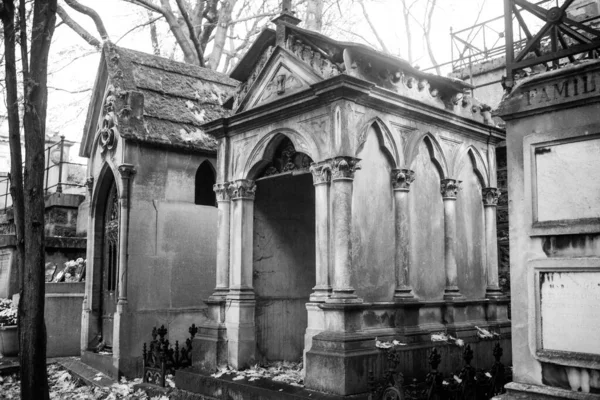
342, 176
126, 171
241, 304
401, 180
490, 197
321, 178
223, 234
87, 296
449, 190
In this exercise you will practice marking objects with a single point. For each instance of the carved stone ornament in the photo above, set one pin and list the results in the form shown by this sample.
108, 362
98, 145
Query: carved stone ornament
490, 196
321, 173
89, 183
108, 132
450, 188
242, 189
286, 159
402, 178
221, 190
344, 167
126, 171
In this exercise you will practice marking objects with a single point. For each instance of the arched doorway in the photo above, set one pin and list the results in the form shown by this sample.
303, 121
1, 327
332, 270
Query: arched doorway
205, 179
283, 253
110, 265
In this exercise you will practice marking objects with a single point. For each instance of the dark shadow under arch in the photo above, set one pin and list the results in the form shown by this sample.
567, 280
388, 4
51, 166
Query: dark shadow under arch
204, 194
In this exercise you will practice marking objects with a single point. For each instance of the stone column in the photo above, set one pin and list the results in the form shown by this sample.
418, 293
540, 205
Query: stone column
449, 189
224, 206
321, 179
401, 180
241, 304
126, 171
490, 197
87, 296
342, 175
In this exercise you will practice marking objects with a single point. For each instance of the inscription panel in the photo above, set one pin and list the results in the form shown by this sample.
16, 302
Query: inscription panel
567, 180
5, 271
570, 311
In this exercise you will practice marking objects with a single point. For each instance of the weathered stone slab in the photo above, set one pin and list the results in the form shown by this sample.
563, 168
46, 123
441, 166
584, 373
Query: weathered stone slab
570, 316
572, 164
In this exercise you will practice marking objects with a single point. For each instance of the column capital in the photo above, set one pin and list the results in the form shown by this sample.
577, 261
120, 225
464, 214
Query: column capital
321, 172
490, 196
222, 191
449, 188
126, 171
242, 189
343, 168
402, 178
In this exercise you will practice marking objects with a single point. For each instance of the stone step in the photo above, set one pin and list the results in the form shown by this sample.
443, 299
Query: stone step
223, 388
89, 375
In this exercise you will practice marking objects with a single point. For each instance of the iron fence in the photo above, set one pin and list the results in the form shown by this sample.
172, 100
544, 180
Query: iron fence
467, 384
55, 161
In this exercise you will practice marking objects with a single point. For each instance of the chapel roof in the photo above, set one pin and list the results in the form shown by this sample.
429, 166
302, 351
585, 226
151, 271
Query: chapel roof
165, 102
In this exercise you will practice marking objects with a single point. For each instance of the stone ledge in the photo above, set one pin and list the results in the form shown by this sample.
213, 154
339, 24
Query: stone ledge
535, 392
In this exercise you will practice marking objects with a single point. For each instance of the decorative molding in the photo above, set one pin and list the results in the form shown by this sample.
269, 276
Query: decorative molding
286, 158
280, 83
402, 178
222, 191
321, 173
242, 189
89, 183
450, 188
344, 167
243, 88
314, 58
108, 132
490, 196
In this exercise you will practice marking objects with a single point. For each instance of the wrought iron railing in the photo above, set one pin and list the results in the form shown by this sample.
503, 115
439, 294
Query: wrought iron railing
161, 359
469, 383
55, 161
486, 40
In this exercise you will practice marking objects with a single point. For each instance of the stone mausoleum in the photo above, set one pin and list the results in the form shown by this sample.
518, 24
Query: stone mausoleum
356, 199
152, 218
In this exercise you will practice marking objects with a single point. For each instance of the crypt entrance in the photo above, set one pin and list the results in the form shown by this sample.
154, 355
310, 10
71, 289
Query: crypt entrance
283, 251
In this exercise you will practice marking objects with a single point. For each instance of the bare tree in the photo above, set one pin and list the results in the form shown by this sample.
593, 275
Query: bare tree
29, 210
314, 15
372, 26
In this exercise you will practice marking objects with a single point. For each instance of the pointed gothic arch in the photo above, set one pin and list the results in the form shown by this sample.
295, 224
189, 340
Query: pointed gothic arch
385, 138
479, 166
266, 149
435, 153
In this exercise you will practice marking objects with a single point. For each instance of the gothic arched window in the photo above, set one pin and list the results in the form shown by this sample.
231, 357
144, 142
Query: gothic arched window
205, 179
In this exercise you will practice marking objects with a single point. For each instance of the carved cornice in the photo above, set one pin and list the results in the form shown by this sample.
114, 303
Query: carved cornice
490, 196
449, 188
402, 178
343, 167
222, 191
242, 189
127, 171
321, 173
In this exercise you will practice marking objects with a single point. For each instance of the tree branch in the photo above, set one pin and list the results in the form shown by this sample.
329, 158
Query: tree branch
193, 36
70, 91
90, 12
78, 29
148, 5
149, 22
381, 43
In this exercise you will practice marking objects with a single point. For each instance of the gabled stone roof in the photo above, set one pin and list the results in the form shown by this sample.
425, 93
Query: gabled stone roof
156, 100
328, 57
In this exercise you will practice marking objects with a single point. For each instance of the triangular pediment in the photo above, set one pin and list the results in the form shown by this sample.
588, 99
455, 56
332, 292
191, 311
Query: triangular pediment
281, 75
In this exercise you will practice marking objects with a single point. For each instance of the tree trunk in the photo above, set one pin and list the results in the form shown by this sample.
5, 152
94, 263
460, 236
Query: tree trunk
220, 34
14, 132
314, 15
32, 350
153, 35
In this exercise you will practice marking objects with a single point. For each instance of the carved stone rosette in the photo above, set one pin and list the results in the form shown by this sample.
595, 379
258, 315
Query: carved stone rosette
221, 190
490, 196
344, 167
449, 188
402, 178
321, 173
242, 189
